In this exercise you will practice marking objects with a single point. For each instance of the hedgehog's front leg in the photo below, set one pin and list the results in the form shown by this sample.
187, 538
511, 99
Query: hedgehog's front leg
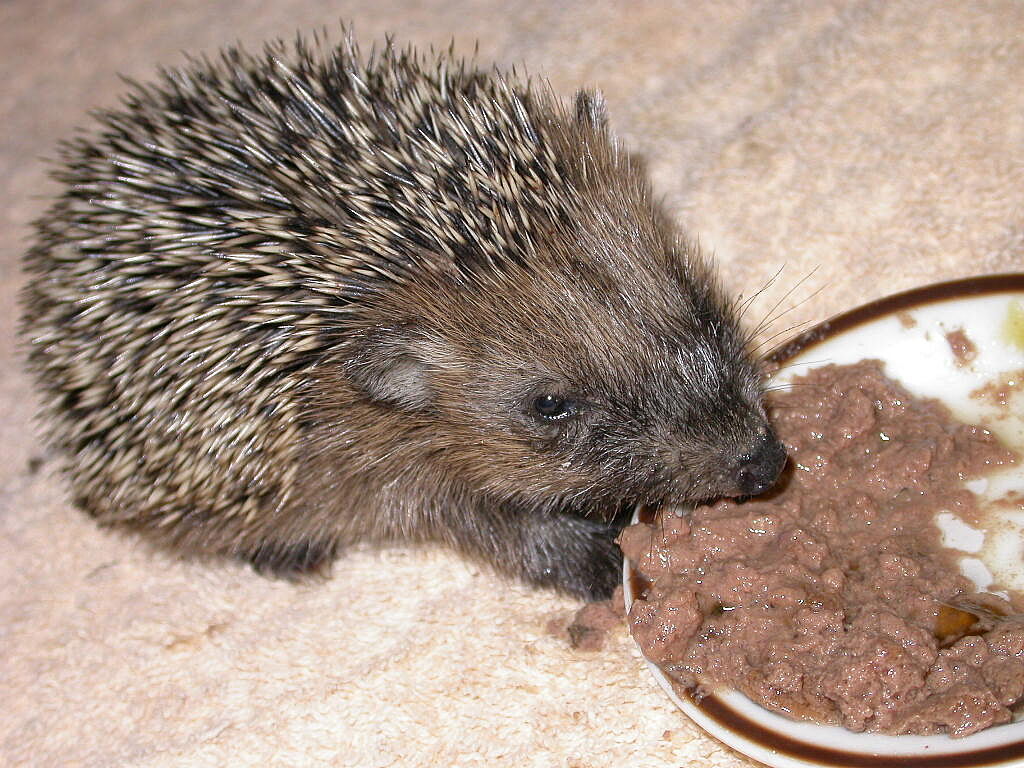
572, 554
562, 551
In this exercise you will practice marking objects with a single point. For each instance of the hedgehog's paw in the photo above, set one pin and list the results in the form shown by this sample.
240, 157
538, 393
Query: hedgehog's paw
294, 559
575, 556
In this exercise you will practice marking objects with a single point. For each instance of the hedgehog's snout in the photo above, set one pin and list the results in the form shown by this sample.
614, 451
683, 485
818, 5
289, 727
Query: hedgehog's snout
757, 470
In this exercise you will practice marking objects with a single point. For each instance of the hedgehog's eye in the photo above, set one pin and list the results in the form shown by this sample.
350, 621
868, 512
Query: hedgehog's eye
553, 407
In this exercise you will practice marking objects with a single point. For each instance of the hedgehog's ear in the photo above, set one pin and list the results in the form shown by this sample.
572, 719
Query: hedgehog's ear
390, 365
591, 110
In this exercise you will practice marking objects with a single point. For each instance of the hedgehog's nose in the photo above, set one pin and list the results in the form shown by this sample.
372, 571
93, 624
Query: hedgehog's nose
758, 470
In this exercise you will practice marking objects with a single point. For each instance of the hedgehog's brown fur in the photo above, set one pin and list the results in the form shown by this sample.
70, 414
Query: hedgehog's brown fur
291, 301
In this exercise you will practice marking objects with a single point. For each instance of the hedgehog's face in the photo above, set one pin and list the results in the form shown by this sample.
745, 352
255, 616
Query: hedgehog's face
554, 393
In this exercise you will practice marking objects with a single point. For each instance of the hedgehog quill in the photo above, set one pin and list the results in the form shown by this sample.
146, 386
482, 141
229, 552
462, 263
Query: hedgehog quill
296, 299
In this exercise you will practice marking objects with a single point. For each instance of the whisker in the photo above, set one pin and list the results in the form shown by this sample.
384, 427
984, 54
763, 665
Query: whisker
768, 339
773, 314
745, 304
808, 363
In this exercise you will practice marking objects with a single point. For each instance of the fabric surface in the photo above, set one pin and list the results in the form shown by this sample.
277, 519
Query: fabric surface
859, 147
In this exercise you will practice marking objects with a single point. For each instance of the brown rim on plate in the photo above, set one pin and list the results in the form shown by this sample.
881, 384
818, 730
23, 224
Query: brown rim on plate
712, 705
897, 302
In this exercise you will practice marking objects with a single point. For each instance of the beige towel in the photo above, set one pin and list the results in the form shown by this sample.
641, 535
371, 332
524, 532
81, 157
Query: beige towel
878, 143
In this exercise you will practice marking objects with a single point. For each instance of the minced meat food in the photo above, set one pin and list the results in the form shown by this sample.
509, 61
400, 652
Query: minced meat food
832, 597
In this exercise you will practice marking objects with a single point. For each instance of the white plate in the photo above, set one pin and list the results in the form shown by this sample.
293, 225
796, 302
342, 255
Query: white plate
908, 332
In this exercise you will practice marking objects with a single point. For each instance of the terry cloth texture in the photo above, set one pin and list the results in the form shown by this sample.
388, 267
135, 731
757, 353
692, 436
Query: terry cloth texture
859, 147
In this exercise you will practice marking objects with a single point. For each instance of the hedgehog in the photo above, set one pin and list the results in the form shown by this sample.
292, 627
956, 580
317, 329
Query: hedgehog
292, 300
